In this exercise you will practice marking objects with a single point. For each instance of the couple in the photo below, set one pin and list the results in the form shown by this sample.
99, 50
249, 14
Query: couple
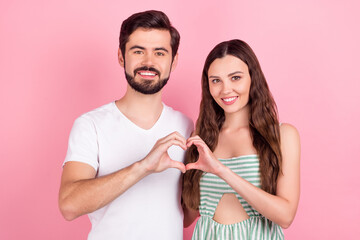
240, 165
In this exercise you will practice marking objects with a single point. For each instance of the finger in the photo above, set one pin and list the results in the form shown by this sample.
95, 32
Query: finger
194, 137
197, 143
176, 142
174, 135
179, 135
178, 165
190, 166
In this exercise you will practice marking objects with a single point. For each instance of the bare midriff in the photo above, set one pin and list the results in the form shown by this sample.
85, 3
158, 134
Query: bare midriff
229, 210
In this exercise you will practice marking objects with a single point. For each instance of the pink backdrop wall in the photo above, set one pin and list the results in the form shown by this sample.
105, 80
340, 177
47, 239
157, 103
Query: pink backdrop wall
58, 60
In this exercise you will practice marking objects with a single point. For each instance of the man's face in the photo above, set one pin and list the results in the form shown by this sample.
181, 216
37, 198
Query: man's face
148, 60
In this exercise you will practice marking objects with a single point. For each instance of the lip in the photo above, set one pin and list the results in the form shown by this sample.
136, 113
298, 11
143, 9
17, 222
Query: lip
229, 100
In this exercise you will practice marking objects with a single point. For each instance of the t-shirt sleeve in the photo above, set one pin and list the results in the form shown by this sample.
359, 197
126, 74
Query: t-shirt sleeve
83, 144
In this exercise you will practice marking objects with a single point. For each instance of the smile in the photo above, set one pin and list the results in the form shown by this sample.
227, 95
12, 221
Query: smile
229, 100
147, 74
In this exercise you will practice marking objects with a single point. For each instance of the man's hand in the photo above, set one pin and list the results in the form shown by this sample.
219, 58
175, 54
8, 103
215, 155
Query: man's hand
159, 160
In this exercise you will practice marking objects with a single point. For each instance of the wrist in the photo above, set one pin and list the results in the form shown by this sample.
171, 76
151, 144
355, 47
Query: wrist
222, 171
142, 167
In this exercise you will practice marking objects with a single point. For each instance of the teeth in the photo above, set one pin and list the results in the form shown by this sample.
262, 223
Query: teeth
229, 99
147, 74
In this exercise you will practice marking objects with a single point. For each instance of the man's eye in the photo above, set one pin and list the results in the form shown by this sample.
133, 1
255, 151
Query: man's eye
138, 52
159, 54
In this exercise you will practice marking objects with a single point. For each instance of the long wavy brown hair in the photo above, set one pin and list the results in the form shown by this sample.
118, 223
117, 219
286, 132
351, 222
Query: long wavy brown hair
264, 123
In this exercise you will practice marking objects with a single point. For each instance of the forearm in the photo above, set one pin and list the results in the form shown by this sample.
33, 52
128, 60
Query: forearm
87, 195
81, 193
276, 208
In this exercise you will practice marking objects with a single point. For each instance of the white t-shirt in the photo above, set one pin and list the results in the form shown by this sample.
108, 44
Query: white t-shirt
108, 141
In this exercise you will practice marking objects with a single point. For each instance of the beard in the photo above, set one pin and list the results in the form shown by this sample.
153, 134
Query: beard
146, 86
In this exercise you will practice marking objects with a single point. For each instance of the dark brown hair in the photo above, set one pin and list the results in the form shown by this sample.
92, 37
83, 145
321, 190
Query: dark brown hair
264, 123
151, 19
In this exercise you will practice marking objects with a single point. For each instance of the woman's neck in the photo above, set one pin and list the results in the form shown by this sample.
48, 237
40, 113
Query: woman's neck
237, 120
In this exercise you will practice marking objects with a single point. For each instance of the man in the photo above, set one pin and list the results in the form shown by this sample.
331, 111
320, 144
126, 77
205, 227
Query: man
123, 160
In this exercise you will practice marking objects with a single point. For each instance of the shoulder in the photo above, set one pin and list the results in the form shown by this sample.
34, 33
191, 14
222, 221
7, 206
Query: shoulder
89, 121
288, 131
178, 116
289, 140
100, 113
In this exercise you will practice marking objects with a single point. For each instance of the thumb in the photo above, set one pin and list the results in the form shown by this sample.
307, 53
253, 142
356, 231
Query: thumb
190, 166
178, 165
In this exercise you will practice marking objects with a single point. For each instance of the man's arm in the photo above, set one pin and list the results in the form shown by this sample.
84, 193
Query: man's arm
82, 193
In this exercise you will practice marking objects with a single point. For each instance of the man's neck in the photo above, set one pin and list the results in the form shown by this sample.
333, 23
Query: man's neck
142, 109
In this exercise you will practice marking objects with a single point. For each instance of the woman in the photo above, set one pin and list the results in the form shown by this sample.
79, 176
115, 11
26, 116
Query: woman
246, 178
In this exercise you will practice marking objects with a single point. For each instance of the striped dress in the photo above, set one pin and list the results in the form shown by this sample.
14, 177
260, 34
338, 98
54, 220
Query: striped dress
212, 189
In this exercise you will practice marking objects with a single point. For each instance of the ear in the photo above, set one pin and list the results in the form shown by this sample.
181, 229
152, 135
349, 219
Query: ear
121, 58
175, 61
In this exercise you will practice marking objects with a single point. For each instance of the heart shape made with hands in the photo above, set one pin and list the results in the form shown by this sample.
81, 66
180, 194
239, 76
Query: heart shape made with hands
158, 159
207, 161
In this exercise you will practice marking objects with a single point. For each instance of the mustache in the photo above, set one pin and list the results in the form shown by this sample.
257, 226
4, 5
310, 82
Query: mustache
147, 69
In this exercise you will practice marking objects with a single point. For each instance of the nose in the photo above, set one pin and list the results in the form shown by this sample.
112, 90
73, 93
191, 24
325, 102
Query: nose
226, 88
147, 59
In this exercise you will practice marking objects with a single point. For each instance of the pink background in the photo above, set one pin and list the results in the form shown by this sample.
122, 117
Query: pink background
58, 59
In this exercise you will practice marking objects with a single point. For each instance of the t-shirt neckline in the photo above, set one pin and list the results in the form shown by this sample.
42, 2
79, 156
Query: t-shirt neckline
136, 126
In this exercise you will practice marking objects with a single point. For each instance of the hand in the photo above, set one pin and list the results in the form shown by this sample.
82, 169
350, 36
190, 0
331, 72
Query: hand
158, 158
207, 162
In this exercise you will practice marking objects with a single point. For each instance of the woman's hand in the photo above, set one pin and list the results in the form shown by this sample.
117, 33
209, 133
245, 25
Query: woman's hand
207, 162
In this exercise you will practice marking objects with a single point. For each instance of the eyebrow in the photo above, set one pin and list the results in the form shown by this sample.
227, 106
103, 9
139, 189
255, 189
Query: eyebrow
161, 49
137, 46
156, 49
230, 74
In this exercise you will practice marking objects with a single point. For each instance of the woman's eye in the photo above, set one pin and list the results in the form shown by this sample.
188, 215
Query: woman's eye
215, 80
235, 77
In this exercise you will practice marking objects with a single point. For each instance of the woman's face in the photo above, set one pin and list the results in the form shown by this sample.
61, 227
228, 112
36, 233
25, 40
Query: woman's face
229, 83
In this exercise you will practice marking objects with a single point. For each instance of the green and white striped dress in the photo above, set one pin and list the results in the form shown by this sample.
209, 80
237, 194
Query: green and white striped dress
212, 189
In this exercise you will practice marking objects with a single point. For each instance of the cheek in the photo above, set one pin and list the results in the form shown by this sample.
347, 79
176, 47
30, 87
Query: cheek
213, 91
245, 92
129, 70
128, 65
244, 88
166, 67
